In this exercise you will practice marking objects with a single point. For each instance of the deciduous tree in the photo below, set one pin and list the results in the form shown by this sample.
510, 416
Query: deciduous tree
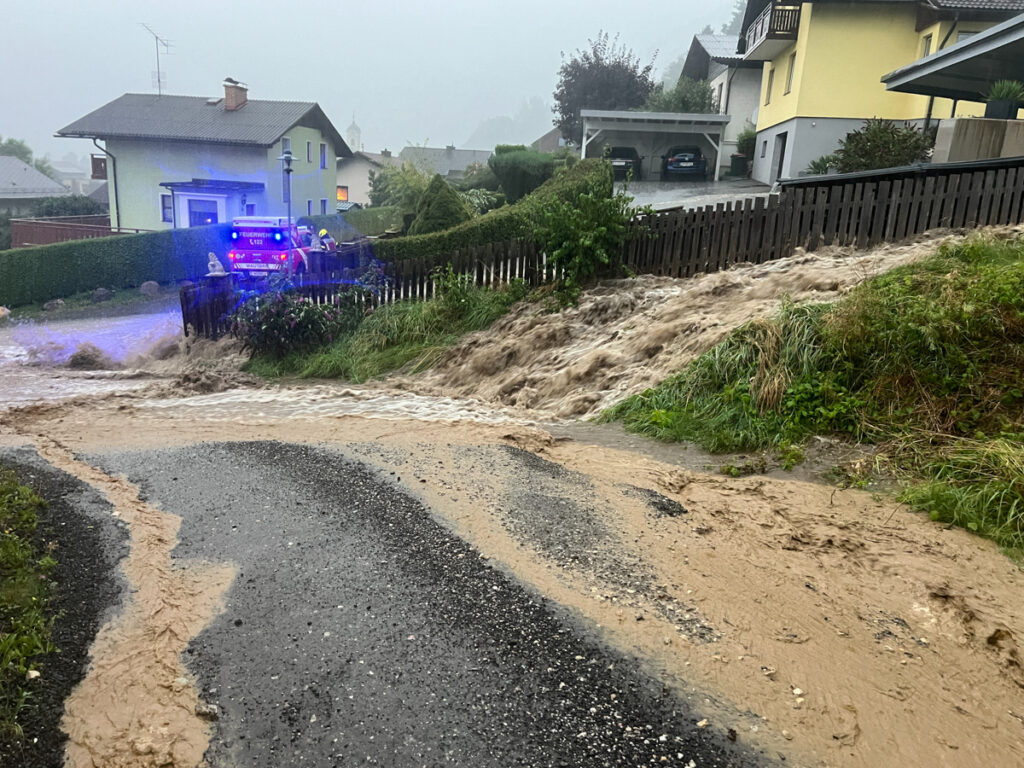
604, 76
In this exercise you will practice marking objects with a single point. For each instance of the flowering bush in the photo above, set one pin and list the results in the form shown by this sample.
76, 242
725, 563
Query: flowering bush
277, 324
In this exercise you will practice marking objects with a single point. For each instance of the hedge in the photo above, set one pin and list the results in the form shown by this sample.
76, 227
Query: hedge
593, 175
46, 272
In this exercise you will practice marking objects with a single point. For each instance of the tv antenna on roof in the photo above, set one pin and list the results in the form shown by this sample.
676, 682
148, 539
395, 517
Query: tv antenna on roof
158, 41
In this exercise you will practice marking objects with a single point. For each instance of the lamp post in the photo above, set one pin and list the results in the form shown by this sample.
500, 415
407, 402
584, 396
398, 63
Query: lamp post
286, 158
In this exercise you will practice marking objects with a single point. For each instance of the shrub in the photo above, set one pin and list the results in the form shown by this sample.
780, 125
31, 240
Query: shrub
74, 205
822, 165
688, 95
478, 176
375, 220
520, 170
882, 144
1005, 90
399, 185
506, 223
283, 323
126, 261
440, 208
746, 142
479, 201
583, 237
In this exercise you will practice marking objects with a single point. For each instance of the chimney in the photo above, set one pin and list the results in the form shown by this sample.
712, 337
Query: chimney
234, 96
385, 153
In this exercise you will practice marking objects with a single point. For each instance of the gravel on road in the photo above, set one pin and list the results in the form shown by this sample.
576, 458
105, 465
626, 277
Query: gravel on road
361, 630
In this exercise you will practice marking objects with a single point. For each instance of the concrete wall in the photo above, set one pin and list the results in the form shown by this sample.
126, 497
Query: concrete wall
807, 139
978, 139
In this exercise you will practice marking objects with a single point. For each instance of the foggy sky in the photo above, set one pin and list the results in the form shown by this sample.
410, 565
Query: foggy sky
412, 72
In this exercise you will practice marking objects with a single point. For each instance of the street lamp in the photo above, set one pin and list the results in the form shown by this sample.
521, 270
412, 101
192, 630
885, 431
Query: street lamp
286, 158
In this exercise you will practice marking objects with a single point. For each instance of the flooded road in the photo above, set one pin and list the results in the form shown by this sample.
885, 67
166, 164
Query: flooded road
734, 596
34, 355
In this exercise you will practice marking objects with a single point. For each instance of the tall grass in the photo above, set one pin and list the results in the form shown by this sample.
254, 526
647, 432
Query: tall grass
410, 335
24, 591
927, 358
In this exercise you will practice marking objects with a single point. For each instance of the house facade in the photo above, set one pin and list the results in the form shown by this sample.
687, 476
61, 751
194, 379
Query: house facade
735, 83
353, 181
181, 161
822, 64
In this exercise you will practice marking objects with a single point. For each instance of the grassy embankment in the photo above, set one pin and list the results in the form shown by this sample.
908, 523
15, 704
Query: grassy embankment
407, 333
927, 361
24, 589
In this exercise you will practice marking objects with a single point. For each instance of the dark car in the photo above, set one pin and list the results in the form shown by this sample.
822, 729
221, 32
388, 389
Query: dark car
686, 162
625, 162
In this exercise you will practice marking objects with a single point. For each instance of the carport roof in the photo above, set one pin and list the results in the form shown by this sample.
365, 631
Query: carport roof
967, 69
653, 121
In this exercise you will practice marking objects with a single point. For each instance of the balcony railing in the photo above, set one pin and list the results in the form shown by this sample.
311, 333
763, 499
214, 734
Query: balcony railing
772, 30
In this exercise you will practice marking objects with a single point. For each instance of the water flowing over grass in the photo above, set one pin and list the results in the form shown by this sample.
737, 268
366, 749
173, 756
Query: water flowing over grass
411, 335
926, 360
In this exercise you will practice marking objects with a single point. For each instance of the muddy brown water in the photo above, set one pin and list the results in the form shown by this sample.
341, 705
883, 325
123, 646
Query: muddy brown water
857, 632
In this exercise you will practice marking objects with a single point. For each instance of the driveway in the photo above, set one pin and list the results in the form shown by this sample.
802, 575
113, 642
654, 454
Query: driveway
692, 194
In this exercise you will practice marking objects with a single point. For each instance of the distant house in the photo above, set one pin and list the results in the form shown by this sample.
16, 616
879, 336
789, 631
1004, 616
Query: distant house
550, 142
22, 187
823, 62
735, 83
180, 161
448, 161
353, 182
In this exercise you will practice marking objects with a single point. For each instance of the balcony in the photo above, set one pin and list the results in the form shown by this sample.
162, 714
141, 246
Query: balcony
773, 31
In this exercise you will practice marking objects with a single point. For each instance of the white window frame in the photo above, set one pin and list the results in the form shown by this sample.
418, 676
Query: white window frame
323, 206
309, 151
323, 156
167, 208
309, 207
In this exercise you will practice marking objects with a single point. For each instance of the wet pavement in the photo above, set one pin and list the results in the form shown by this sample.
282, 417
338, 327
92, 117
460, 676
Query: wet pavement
360, 630
692, 194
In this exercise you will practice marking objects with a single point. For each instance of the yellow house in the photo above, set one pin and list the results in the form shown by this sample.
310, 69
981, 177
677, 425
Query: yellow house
823, 64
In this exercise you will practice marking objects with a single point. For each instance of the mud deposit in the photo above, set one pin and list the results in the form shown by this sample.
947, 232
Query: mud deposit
629, 335
765, 615
359, 630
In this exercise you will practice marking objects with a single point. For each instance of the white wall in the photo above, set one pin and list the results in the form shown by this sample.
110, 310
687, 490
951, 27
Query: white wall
354, 173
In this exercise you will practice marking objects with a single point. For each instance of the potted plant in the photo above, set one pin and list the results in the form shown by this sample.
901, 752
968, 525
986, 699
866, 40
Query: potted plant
1004, 98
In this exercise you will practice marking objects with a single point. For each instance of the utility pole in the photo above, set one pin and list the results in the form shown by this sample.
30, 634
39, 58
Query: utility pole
157, 42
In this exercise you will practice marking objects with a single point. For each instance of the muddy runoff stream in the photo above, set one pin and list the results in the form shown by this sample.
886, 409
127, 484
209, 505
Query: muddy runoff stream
829, 626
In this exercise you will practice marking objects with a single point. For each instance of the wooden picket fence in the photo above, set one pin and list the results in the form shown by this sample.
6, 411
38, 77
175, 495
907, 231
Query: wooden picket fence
859, 210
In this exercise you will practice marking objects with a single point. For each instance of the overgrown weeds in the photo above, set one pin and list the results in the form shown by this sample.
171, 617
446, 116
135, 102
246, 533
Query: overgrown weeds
24, 590
407, 334
925, 359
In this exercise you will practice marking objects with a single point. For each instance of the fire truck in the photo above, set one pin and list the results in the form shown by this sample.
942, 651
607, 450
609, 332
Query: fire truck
264, 245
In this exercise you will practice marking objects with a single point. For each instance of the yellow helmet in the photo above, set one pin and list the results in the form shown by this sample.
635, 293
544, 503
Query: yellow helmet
322, 232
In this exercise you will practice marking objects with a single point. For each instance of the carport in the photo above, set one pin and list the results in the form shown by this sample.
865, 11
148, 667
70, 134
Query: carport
652, 134
967, 69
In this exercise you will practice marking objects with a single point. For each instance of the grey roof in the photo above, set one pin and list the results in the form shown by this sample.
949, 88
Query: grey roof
100, 194
444, 160
197, 118
719, 46
981, 5
21, 180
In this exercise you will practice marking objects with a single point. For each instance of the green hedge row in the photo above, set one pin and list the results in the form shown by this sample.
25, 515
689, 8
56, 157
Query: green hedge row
46, 272
506, 223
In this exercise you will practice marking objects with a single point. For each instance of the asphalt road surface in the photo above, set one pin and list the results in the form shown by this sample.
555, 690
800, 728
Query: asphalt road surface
360, 631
